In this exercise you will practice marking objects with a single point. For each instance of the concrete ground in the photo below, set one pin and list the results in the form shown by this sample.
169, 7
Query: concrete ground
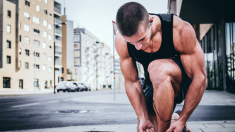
216, 98
216, 126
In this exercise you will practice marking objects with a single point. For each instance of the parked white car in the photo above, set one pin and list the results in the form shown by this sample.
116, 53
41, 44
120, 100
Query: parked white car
65, 86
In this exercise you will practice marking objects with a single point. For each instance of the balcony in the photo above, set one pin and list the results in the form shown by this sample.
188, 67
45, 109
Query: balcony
58, 42
58, 53
57, 10
57, 20
58, 73
58, 31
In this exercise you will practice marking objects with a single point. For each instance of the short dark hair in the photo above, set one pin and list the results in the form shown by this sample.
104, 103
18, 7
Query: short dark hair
129, 16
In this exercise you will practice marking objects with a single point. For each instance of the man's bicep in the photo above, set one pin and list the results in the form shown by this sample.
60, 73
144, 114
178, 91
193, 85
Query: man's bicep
193, 63
129, 70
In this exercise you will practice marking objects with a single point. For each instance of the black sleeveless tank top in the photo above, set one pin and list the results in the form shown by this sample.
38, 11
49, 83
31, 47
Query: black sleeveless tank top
166, 50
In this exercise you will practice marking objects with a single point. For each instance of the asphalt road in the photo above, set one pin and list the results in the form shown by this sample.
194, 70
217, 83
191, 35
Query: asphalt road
49, 111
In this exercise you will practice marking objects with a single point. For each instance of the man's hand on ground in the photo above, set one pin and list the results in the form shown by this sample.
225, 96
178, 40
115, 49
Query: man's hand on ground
176, 126
146, 126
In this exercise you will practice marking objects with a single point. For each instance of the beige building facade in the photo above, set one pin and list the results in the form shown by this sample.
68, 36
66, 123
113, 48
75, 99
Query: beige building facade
28, 63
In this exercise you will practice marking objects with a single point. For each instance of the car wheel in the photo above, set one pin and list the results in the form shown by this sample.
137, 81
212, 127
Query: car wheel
89, 89
69, 90
57, 91
64, 91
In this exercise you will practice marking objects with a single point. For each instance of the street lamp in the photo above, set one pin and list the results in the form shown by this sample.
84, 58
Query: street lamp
63, 23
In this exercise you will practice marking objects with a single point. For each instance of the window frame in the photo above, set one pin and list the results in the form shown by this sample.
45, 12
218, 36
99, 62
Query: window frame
8, 59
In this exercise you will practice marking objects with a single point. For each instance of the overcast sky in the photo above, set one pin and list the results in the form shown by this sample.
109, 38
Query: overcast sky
97, 15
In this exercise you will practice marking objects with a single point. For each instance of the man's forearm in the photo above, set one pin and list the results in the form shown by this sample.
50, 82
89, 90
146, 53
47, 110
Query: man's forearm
193, 98
137, 99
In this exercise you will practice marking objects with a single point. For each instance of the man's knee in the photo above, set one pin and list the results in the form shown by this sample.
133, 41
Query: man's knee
159, 72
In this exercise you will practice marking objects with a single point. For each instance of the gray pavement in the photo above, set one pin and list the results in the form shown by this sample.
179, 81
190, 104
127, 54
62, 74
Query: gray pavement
216, 126
214, 98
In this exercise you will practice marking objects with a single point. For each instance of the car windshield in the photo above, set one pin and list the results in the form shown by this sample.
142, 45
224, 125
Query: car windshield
75, 83
62, 83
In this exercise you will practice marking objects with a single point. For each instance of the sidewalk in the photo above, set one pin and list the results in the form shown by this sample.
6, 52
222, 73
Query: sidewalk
12, 92
216, 126
210, 97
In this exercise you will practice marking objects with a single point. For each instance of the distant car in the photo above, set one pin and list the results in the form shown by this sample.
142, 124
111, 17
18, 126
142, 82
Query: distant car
65, 86
77, 86
87, 87
81, 86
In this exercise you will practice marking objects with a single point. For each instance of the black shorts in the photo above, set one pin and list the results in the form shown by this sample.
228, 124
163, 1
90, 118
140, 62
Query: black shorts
186, 81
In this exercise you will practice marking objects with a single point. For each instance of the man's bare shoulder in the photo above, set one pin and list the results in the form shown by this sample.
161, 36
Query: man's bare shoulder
184, 36
121, 46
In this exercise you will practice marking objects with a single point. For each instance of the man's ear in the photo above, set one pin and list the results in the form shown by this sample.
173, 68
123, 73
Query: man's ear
151, 19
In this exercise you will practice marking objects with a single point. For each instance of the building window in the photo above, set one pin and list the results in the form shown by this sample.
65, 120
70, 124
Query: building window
26, 65
35, 83
26, 15
36, 54
44, 22
45, 11
26, 40
36, 20
21, 84
44, 56
77, 54
27, 52
49, 58
46, 1
36, 31
6, 82
20, 51
44, 34
44, 45
45, 83
77, 38
8, 59
20, 38
8, 44
49, 37
76, 62
44, 67
19, 64
76, 71
49, 69
50, 47
37, 8
26, 27
50, 14
8, 13
77, 46
49, 26
36, 66
36, 43
27, 3
8, 29
62, 69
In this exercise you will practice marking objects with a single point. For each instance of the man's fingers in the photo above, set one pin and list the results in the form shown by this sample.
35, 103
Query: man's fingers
170, 129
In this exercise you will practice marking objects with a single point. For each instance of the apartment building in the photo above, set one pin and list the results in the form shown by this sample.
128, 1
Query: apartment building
214, 26
105, 66
85, 51
27, 48
58, 42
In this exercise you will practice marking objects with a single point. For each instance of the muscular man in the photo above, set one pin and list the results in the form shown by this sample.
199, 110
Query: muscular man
173, 62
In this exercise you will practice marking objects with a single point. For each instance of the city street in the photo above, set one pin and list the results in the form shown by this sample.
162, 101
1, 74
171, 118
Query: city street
69, 109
